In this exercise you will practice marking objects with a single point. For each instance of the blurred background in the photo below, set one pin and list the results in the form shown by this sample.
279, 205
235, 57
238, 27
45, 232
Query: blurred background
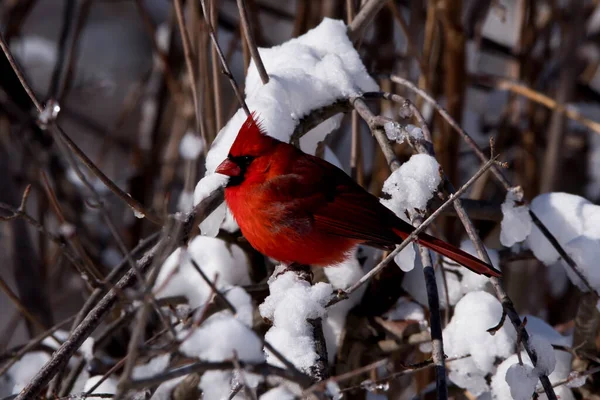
524, 72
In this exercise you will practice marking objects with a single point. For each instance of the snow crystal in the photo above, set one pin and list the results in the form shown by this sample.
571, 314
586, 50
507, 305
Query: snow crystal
138, 214
178, 277
291, 302
394, 132
467, 333
154, 367
575, 223
191, 146
413, 184
516, 221
323, 72
278, 393
521, 379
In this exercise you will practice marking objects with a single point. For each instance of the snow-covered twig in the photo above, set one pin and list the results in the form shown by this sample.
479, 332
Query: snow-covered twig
414, 234
479, 247
496, 171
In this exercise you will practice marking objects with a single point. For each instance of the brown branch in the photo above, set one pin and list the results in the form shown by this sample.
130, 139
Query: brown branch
249, 34
58, 131
224, 65
187, 53
363, 18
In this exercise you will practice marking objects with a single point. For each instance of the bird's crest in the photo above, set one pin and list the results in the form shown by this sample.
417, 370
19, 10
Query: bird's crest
251, 140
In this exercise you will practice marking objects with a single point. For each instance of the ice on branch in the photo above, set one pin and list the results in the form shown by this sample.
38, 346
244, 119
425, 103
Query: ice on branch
290, 303
516, 221
467, 334
410, 187
179, 277
575, 223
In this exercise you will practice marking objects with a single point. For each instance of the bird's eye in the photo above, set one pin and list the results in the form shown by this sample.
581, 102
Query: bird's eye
246, 160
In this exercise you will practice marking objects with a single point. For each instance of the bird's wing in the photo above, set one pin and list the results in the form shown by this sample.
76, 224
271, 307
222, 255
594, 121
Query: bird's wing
336, 203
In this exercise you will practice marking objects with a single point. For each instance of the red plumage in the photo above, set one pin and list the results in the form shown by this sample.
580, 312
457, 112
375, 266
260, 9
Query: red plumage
297, 208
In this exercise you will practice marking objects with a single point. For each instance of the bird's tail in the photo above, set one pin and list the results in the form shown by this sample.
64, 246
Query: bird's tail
453, 253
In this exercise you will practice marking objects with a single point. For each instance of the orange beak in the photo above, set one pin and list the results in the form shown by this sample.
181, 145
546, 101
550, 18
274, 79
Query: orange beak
229, 168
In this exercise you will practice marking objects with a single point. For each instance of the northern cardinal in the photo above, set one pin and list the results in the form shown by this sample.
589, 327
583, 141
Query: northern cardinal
298, 208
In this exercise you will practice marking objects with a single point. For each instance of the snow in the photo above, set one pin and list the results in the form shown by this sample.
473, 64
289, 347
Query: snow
333, 390
278, 393
323, 71
575, 223
163, 392
341, 276
178, 277
290, 303
546, 361
404, 309
516, 221
467, 333
576, 380
521, 380
542, 336
207, 185
186, 201
109, 386
153, 367
23, 371
411, 186
224, 336
191, 146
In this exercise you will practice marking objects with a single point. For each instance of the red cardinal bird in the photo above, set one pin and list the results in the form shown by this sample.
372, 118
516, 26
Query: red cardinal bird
297, 208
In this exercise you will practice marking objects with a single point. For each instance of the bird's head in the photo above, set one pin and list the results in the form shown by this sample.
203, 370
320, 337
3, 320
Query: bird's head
250, 144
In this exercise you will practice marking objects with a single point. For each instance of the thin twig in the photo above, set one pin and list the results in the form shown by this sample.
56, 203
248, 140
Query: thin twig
451, 199
187, 53
224, 65
249, 33
138, 208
